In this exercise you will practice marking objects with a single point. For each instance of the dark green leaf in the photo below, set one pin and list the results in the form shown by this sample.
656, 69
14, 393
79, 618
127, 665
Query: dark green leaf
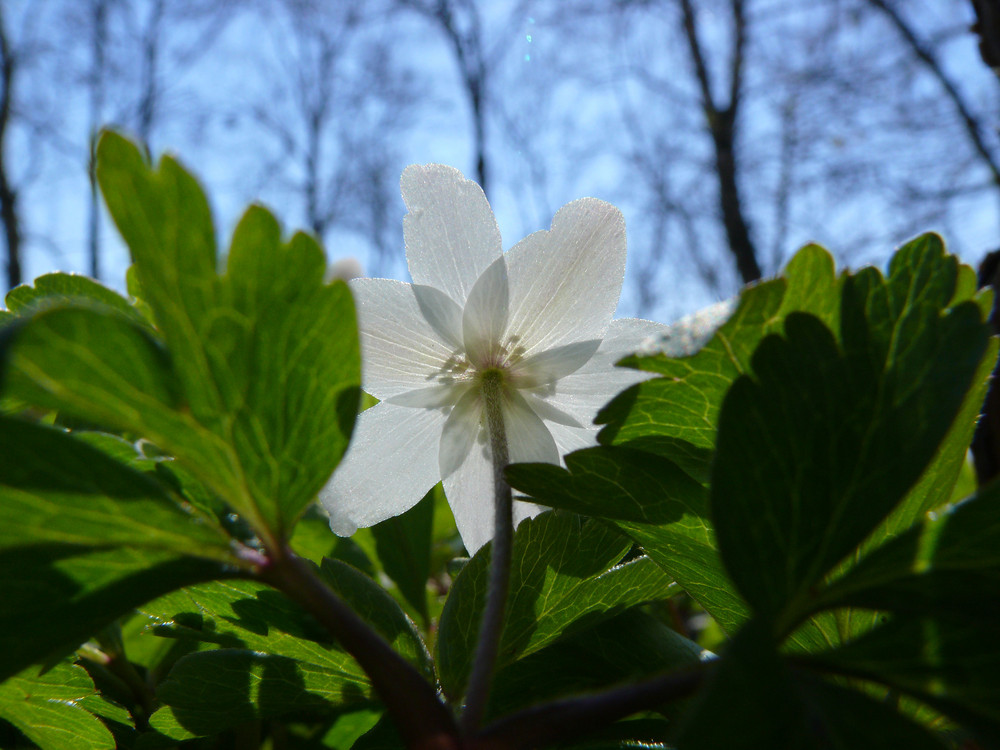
629, 646
403, 544
84, 539
616, 484
382, 736
947, 564
951, 663
210, 691
825, 441
564, 579
755, 700
45, 706
247, 618
268, 638
659, 506
371, 602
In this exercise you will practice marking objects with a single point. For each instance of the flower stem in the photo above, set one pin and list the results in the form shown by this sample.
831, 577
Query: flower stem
491, 628
422, 720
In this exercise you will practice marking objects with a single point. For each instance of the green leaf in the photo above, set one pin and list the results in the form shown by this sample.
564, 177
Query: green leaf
675, 415
824, 441
946, 564
83, 539
686, 550
937, 486
45, 706
247, 618
254, 386
652, 501
349, 727
273, 652
766, 704
629, 646
403, 545
564, 578
210, 691
60, 289
949, 662
616, 484
374, 605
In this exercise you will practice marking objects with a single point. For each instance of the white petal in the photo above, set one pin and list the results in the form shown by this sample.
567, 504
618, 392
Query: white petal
470, 494
390, 464
524, 510
583, 393
546, 410
462, 430
484, 319
528, 439
469, 489
450, 232
548, 366
625, 336
565, 283
692, 332
441, 312
400, 351
431, 397
569, 439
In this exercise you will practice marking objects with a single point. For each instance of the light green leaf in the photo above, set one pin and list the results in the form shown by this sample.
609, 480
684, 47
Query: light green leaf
83, 539
60, 289
349, 727
254, 386
564, 578
46, 707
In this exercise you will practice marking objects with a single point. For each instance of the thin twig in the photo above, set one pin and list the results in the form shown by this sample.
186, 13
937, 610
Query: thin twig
421, 719
491, 628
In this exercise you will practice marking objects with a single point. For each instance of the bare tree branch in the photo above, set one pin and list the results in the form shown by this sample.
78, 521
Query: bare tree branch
973, 127
721, 121
8, 193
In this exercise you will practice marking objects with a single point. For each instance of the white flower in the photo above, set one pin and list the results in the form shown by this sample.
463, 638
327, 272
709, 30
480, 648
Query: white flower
540, 315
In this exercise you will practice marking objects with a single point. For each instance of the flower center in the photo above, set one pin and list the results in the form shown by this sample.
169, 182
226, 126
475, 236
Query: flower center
493, 379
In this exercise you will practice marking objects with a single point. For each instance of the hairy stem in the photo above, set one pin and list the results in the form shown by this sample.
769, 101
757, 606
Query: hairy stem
503, 534
422, 720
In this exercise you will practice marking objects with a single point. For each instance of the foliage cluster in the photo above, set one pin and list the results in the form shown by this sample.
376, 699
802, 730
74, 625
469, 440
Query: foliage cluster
795, 483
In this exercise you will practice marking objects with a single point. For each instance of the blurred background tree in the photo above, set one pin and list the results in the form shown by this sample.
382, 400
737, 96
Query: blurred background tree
730, 132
